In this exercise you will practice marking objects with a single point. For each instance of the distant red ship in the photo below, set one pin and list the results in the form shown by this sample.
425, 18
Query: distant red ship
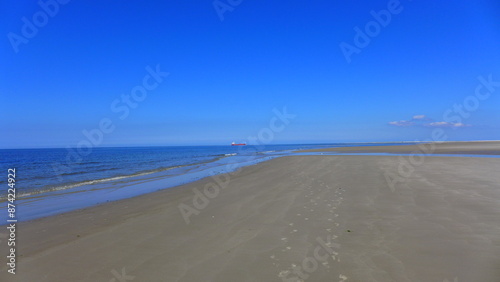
238, 144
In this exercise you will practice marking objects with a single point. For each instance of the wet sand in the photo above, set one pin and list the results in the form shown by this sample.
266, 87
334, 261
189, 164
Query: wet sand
315, 218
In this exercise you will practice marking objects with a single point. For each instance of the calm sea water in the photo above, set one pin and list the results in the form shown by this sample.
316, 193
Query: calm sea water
50, 181
44, 170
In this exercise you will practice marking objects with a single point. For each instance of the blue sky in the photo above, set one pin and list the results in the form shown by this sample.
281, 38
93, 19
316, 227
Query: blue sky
226, 76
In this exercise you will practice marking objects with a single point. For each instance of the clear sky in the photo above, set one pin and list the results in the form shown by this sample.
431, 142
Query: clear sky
66, 66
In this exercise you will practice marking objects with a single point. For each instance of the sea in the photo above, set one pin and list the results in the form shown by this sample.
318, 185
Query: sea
52, 181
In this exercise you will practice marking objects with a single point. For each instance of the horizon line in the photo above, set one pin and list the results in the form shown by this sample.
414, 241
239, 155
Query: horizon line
229, 145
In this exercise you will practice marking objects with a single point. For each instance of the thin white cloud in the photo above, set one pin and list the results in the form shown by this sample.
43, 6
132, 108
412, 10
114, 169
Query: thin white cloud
439, 124
401, 123
417, 117
423, 120
446, 124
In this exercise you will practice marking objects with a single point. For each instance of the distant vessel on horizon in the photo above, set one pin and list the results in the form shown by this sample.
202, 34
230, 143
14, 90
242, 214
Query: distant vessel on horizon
238, 144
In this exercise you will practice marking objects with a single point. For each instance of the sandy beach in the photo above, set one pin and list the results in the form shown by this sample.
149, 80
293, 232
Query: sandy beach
464, 148
295, 218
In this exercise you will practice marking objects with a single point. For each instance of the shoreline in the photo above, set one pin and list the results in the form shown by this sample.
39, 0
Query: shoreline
276, 214
442, 149
39, 205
